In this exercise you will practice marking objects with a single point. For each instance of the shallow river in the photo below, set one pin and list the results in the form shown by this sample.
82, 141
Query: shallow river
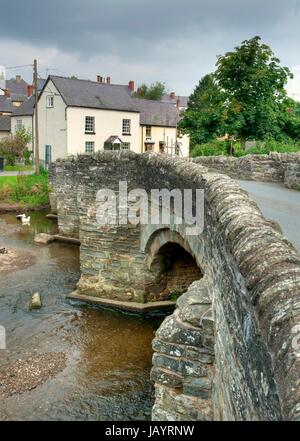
108, 354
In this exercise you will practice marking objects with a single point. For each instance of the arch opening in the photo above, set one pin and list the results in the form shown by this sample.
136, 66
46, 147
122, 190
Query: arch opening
175, 269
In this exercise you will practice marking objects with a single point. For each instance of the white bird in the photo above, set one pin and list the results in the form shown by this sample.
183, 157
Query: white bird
25, 220
20, 216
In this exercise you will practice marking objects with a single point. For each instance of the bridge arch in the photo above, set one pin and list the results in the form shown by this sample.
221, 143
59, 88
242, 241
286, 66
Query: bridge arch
172, 261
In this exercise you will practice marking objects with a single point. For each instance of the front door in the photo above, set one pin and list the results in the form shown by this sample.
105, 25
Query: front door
48, 155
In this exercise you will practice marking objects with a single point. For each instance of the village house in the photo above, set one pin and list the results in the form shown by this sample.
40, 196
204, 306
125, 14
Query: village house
5, 124
82, 116
15, 92
23, 116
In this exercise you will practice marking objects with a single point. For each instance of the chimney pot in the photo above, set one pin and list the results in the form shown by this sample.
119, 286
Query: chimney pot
131, 86
18, 78
30, 90
108, 80
7, 92
172, 95
99, 79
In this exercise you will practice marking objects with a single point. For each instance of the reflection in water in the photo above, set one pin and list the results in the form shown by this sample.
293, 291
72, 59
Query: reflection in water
109, 354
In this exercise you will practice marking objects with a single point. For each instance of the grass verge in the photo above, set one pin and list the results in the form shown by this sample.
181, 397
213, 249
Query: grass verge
30, 191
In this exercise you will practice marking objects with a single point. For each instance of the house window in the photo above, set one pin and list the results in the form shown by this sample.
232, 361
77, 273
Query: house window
89, 124
126, 126
148, 131
89, 147
50, 100
126, 146
19, 124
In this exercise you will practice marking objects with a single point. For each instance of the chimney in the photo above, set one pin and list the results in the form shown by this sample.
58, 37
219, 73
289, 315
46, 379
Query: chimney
18, 78
108, 79
178, 102
99, 79
7, 92
172, 95
131, 86
30, 90
139, 91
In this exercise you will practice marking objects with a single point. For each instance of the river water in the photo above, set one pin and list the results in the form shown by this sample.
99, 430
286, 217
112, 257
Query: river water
108, 353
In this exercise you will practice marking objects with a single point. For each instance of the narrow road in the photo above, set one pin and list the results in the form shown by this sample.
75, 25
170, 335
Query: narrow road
278, 203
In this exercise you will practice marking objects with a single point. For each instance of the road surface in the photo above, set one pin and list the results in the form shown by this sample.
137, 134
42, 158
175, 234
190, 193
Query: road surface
278, 203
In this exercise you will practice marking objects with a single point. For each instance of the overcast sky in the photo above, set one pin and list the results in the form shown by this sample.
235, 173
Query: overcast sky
175, 41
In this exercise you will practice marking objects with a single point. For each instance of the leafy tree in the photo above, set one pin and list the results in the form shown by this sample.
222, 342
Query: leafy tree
254, 85
203, 120
153, 92
14, 147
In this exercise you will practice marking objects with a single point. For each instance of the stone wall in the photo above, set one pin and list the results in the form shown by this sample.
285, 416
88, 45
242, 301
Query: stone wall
251, 272
275, 167
183, 361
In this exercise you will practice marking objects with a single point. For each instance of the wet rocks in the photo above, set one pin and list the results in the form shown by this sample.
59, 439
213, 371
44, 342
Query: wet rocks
35, 302
43, 238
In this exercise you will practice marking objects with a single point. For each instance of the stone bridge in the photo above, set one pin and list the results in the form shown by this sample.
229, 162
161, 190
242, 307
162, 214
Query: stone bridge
231, 348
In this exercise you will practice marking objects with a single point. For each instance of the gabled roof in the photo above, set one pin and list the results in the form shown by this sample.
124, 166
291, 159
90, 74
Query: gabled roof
26, 108
156, 113
94, 95
5, 123
112, 140
17, 86
91, 94
6, 104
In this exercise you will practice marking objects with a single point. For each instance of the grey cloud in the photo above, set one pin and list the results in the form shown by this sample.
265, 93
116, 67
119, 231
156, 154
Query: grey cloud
168, 33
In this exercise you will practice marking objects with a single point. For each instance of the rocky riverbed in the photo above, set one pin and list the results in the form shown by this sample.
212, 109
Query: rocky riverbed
65, 361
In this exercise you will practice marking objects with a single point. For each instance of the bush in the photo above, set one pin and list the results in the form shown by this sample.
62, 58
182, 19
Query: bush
216, 148
213, 148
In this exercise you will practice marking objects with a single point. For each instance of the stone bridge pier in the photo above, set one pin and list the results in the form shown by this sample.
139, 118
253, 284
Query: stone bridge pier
231, 349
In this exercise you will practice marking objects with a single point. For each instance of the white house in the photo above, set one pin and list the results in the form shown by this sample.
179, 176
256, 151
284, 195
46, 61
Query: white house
23, 116
82, 116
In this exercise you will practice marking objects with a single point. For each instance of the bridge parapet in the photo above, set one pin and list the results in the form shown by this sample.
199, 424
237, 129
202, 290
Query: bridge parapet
252, 271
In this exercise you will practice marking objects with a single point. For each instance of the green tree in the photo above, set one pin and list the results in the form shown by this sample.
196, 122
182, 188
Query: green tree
254, 86
204, 118
153, 92
15, 147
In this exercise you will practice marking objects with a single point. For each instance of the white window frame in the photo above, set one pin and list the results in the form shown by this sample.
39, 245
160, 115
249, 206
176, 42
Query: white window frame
126, 146
89, 144
50, 101
19, 124
148, 131
126, 126
89, 125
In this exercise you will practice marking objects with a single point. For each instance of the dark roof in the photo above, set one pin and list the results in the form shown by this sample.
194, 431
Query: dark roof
5, 123
18, 97
156, 113
18, 87
6, 104
112, 139
183, 100
40, 83
91, 94
26, 108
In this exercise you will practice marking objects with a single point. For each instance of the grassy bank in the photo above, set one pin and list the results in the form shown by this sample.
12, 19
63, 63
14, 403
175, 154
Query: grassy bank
25, 191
